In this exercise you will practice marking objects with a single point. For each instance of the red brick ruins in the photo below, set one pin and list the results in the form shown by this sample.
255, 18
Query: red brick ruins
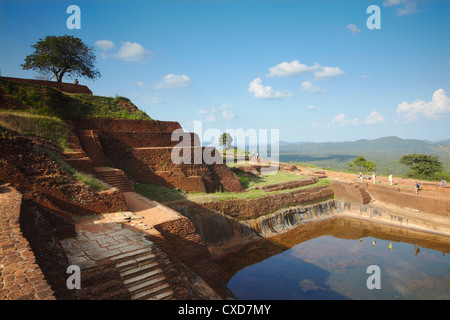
142, 149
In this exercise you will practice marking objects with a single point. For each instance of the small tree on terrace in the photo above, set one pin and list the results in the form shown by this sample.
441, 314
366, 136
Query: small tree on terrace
362, 165
63, 55
225, 140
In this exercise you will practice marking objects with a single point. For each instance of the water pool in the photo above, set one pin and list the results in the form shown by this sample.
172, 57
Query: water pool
327, 261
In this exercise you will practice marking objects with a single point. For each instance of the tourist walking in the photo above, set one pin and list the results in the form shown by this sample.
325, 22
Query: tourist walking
361, 177
390, 179
416, 187
443, 182
373, 177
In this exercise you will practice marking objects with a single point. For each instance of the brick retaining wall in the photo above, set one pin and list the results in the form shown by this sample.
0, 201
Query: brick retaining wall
252, 208
20, 276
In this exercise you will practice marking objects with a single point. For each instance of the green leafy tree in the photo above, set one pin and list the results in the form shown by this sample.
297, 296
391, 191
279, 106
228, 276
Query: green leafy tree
60, 56
423, 166
225, 140
361, 164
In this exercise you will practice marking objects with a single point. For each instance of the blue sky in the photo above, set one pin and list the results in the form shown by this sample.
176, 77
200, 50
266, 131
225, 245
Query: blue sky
311, 69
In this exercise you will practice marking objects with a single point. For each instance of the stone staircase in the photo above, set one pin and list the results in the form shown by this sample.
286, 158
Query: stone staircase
133, 270
142, 276
115, 178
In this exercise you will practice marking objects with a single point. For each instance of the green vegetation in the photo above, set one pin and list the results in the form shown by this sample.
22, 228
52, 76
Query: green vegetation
265, 180
225, 140
362, 165
26, 124
164, 195
62, 55
384, 152
249, 194
88, 180
50, 102
41, 111
424, 167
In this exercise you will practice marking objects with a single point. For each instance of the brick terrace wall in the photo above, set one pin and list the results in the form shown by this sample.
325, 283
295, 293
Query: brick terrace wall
181, 241
252, 208
20, 276
349, 192
408, 198
149, 139
100, 124
65, 87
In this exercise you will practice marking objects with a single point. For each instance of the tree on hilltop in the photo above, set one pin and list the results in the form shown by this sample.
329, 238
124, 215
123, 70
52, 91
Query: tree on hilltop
63, 55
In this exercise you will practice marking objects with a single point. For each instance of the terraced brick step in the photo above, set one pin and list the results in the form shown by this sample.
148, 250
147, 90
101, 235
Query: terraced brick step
158, 292
132, 264
143, 277
137, 271
116, 178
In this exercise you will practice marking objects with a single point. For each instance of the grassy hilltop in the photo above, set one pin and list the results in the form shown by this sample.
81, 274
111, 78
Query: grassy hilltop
42, 111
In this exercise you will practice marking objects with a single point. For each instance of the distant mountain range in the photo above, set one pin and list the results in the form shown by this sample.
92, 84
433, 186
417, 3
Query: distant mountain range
385, 152
386, 145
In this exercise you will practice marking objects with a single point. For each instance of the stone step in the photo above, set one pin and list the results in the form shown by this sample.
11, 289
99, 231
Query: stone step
146, 285
131, 255
164, 295
142, 277
134, 272
135, 263
147, 294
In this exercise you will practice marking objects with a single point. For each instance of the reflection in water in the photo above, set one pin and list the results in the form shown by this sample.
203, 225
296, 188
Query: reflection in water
329, 260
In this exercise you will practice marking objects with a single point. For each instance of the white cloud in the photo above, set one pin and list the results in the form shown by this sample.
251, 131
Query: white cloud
133, 51
408, 6
308, 86
438, 106
286, 69
311, 107
145, 98
328, 72
374, 117
104, 44
365, 76
172, 81
340, 120
353, 28
266, 92
210, 114
227, 111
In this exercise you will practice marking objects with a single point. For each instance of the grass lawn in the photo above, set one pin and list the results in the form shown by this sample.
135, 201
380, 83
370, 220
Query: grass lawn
164, 195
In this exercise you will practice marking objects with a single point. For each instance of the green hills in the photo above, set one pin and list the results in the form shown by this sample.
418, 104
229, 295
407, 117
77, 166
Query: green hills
385, 152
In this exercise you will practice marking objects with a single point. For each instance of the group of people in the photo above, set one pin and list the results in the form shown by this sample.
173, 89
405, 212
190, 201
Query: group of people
416, 184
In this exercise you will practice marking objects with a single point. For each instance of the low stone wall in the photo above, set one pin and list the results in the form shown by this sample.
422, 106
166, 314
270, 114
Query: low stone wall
251, 208
64, 87
411, 220
21, 278
407, 198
